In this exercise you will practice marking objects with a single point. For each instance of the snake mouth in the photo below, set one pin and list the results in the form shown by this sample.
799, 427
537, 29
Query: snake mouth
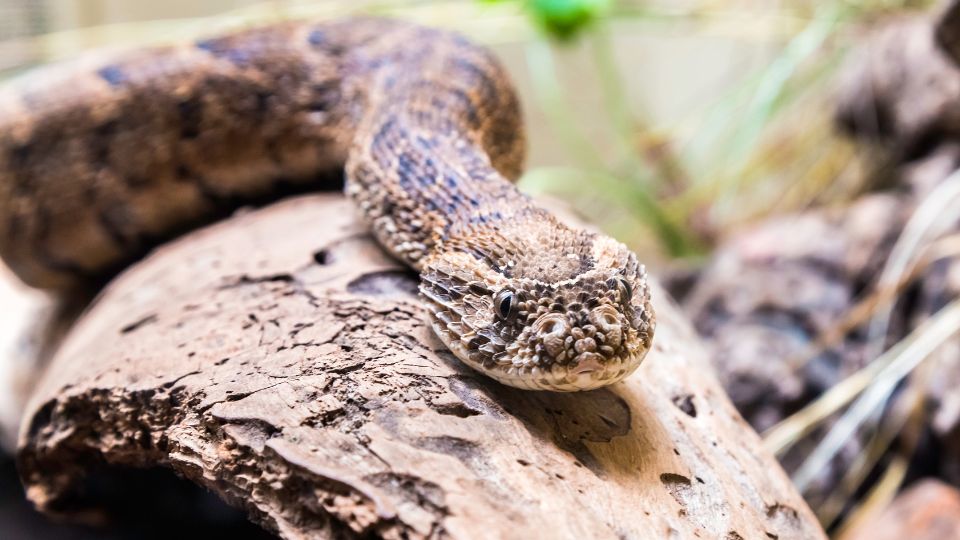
588, 364
588, 371
586, 374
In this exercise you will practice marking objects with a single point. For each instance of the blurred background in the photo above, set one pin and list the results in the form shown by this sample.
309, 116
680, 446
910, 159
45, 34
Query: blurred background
708, 108
674, 125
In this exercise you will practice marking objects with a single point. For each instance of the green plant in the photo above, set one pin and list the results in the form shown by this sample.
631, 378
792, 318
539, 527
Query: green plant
764, 145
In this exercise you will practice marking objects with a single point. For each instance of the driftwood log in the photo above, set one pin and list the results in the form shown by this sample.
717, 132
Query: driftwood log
281, 360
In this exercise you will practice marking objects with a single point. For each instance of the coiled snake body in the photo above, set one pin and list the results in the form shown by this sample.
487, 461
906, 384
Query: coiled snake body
100, 157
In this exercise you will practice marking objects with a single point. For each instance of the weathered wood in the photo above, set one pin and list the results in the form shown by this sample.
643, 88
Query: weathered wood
281, 359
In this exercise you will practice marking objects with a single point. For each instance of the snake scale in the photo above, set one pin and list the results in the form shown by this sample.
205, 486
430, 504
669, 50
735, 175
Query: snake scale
99, 157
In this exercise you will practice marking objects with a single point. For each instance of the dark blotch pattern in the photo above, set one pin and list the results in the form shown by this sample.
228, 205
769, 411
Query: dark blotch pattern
114, 75
425, 126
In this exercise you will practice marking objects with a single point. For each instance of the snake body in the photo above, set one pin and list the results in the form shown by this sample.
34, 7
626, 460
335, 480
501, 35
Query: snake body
100, 157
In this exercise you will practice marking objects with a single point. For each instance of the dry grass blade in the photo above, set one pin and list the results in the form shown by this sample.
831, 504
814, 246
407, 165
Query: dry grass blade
864, 309
930, 219
879, 497
885, 490
896, 364
935, 213
910, 408
933, 217
891, 367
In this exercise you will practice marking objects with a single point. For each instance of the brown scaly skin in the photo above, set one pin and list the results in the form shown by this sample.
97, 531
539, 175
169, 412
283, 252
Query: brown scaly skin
100, 157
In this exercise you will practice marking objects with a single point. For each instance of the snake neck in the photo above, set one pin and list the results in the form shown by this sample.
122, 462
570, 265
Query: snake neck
436, 149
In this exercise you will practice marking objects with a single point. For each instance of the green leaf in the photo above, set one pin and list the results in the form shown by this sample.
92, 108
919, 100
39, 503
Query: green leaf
563, 19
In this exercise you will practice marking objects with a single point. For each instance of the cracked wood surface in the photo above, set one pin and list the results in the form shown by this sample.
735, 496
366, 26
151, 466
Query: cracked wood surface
280, 359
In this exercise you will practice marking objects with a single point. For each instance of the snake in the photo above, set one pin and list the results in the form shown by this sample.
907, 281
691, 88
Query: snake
105, 155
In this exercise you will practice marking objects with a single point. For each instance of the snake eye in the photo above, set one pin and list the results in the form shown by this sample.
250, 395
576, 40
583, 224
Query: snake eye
626, 291
506, 303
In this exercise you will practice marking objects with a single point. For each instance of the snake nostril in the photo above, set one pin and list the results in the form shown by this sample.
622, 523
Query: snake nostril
605, 319
552, 333
608, 321
554, 326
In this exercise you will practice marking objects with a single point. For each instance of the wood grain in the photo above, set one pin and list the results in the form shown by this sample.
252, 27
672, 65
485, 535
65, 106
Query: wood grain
281, 359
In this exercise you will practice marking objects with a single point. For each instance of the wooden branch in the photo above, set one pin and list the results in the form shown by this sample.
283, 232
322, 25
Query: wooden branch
280, 359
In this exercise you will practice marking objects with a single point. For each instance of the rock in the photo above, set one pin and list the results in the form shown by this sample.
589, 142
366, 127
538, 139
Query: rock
928, 510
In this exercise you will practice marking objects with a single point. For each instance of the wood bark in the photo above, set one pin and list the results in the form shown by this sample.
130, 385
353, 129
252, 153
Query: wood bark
281, 359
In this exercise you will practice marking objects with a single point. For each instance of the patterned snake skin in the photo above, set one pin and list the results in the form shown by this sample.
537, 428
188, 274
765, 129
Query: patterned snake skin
103, 156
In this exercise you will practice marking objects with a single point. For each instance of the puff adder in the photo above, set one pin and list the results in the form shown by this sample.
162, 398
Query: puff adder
102, 156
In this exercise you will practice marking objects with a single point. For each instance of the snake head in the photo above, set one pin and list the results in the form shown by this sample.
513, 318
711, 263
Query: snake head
544, 328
